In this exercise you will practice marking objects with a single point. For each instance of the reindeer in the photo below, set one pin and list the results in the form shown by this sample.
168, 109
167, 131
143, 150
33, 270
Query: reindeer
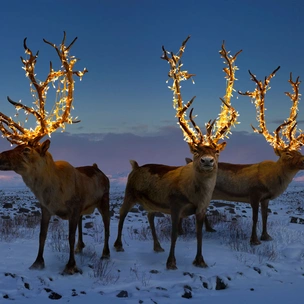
264, 181
60, 188
180, 190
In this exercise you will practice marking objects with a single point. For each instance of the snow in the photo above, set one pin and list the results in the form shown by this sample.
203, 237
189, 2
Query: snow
272, 272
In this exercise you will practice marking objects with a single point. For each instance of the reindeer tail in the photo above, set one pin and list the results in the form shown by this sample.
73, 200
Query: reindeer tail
134, 164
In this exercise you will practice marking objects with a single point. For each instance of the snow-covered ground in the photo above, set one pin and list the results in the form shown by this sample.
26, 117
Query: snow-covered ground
238, 273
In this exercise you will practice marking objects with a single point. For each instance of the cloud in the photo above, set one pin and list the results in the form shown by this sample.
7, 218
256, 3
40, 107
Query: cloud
112, 151
10, 179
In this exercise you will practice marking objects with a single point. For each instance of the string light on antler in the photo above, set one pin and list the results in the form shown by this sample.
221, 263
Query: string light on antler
228, 116
63, 83
230, 71
284, 137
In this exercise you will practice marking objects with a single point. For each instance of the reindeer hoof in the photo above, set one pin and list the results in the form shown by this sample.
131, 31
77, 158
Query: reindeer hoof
158, 249
105, 256
118, 246
171, 265
255, 242
71, 270
199, 262
266, 237
210, 229
37, 266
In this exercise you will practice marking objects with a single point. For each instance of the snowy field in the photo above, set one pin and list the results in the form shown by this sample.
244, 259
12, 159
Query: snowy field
272, 272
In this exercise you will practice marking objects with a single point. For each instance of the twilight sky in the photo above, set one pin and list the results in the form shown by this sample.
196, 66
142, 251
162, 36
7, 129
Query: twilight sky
123, 102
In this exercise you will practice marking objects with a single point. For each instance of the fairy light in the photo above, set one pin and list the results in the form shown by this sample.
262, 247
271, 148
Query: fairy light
228, 116
284, 137
46, 123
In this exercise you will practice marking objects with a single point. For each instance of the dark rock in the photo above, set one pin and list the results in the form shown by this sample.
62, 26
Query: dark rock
231, 210
214, 212
88, 225
296, 220
258, 270
220, 284
55, 296
7, 206
187, 294
47, 289
27, 285
186, 273
5, 217
23, 210
122, 294
36, 213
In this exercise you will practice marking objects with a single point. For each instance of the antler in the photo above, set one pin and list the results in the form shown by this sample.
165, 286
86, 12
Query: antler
46, 123
228, 115
288, 130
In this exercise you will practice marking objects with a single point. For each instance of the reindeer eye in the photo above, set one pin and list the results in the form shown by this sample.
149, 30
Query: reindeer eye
289, 155
26, 150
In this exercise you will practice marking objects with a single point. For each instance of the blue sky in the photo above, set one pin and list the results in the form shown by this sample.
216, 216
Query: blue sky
125, 94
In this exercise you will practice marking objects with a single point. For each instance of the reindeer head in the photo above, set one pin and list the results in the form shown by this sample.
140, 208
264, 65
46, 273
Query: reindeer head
63, 82
204, 147
286, 140
25, 158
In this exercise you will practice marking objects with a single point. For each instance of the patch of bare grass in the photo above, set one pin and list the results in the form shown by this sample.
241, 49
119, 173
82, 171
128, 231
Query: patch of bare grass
20, 226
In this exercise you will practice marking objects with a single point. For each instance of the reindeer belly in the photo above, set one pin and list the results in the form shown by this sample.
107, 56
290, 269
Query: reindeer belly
55, 209
152, 205
88, 210
230, 195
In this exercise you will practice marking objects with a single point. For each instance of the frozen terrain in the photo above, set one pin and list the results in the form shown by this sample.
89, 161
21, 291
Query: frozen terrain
238, 273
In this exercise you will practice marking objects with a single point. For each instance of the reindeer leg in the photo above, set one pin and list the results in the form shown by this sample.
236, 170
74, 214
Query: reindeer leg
208, 226
80, 244
180, 227
71, 267
255, 213
175, 218
156, 247
199, 260
264, 210
104, 209
45, 220
124, 209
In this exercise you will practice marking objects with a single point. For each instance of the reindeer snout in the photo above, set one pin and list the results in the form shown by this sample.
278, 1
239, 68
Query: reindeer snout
207, 162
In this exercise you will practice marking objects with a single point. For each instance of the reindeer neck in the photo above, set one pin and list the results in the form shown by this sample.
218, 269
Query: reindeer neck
41, 175
286, 169
199, 181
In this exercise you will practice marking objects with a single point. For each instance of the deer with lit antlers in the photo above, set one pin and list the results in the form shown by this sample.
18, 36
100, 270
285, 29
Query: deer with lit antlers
60, 188
259, 183
184, 190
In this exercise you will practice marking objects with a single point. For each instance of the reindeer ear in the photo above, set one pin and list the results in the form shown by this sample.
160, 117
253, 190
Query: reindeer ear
220, 147
44, 147
188, 160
